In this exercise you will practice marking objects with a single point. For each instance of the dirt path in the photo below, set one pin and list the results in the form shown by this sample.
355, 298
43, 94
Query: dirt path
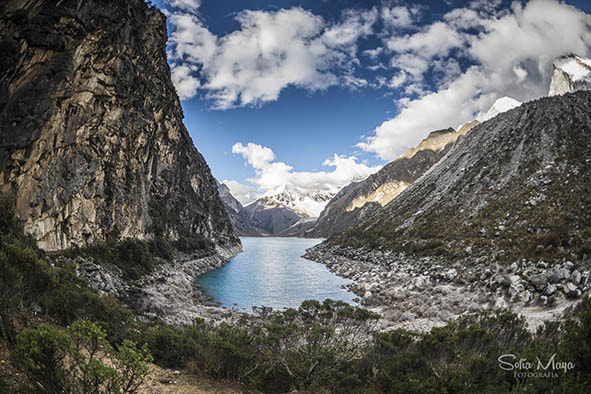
166, 381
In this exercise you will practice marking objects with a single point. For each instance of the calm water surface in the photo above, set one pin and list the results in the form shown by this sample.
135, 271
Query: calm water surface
270, 272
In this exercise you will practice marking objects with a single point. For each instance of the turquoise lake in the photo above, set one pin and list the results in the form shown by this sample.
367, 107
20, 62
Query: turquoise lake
271, 272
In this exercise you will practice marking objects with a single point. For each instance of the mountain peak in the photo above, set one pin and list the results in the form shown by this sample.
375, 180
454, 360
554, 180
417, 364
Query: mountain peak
502, 104
571, 72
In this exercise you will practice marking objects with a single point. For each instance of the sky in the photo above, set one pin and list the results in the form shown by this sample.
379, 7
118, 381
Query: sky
315, 94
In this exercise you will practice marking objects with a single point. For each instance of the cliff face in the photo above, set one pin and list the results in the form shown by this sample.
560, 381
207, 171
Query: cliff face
237, 214
570, 73
358, 201
91, 132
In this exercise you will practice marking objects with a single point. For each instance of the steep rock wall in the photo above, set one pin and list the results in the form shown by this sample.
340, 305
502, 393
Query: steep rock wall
91, 131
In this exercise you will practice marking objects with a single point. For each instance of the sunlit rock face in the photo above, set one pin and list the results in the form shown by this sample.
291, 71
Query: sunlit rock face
571, 73
91, 131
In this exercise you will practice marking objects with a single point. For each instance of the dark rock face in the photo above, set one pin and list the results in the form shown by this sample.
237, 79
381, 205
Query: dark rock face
237, 214
516, 187
91, 132
358, 201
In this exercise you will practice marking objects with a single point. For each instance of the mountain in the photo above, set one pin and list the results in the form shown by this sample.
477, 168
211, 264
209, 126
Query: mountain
286, 211
571, 73
357, 201
91, 129
516, 186
503, 104
238, 215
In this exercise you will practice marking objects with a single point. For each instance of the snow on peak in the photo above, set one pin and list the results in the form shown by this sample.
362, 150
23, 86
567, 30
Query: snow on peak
503, 104
311, 203
570, 73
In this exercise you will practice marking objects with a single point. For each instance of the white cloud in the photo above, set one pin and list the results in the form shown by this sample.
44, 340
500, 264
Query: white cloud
511, 52
186, 5
243, 193
271, 175
270, 51
258, 156
398, 16
186, 85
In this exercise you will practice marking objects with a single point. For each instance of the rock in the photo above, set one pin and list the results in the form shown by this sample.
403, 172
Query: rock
554, 276
550, 289
542, 264
571, 291
99, 125
576, 277
564, 273
500, 303
451, 274
502, 280
569, 265
527, 297
539, 281
546, 300
514, 267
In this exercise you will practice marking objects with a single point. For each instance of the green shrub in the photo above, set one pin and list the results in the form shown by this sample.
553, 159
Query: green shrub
79, 360
40, 353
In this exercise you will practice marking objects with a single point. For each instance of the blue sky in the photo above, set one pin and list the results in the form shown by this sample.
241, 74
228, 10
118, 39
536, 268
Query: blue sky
273, 90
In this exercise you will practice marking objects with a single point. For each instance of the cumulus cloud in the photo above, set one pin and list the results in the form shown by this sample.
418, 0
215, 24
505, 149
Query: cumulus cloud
186, 84
510, 52
186, 5
272, 175
270, 51
243, 193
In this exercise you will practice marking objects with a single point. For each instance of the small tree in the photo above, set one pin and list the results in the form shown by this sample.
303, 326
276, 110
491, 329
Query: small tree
79, 360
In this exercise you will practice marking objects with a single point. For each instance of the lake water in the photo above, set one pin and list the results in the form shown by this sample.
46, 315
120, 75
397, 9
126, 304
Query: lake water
270, 272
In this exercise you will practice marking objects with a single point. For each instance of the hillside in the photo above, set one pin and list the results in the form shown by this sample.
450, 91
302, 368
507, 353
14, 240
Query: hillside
515, 187
92, 140
357, 201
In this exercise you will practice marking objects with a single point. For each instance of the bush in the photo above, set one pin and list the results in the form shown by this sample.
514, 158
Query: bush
79, 360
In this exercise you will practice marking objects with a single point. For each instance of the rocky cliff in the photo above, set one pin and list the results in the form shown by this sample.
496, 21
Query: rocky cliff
91, 131
358, 201
237, 214
570, 73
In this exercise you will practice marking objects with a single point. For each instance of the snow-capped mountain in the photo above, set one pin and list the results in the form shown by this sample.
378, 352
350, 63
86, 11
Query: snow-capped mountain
570, 73
503, 104
311, 204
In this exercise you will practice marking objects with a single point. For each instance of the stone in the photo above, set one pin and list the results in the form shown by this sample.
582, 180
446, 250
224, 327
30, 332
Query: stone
554, 276
564, 273
569, 265
571, 291
500, 303
527, 297
539, 281
576, 277
514, 267
451, 274
550, 289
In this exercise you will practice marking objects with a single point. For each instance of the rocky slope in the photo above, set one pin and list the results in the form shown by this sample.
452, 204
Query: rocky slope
571, 73
504, 220
91, 131
357, 201
237, 214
